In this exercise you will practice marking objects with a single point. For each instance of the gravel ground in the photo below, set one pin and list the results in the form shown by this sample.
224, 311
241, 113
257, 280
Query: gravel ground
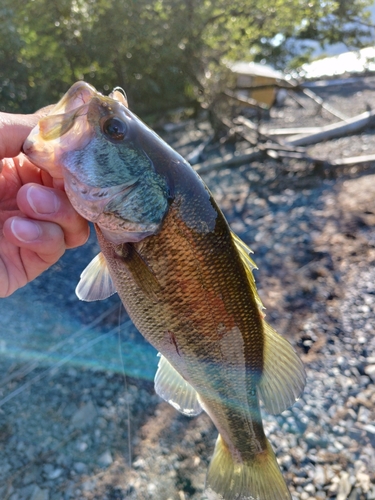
81, 430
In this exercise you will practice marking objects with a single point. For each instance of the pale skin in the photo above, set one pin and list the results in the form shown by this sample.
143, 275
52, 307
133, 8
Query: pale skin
37, 221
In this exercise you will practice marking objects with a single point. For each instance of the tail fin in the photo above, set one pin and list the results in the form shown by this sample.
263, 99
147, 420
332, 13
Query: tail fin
258, 479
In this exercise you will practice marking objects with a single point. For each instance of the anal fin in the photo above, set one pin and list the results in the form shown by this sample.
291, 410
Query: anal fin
174, 389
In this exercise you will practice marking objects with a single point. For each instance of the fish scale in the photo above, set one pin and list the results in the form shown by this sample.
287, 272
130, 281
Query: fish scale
185, 279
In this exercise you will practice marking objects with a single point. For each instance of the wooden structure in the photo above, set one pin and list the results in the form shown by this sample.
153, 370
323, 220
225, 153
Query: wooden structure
256, 81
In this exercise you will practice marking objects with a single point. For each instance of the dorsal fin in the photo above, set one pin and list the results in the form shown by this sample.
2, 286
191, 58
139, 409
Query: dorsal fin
249, 264
283, 377
174, 389
96, 282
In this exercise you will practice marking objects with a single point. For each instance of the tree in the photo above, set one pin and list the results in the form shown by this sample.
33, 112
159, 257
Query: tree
161, 51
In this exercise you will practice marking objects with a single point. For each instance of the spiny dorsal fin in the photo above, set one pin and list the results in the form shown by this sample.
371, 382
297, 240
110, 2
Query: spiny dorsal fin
96, 282
249, 264
283, 377
174, 389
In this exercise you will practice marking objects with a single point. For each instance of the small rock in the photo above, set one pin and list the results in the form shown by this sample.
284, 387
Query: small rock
344, 486
370, 429
310, 488
319, 476
371, 493
89, 485
39, 494
355, 494
105, 459
364, 414
82, 446
370, 371
312, 439
320, 495
80, 467
363, 481
140, 463
355, 433
286, 461
84, 416
55, 473
151, 488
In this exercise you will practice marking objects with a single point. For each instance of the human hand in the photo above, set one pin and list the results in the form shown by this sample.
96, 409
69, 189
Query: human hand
37, 221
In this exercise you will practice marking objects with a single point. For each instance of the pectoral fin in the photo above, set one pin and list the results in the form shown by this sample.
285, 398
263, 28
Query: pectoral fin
283, 377
139, 270
172, 387
96, 282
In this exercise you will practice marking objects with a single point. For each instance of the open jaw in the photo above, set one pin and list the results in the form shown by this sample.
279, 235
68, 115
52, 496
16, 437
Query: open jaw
49, 139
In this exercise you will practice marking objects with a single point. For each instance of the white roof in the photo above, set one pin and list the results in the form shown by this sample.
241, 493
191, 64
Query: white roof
349, 62
255, 69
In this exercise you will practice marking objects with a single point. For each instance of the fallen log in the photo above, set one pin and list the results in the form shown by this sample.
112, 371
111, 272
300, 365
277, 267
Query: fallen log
353, 160
335, 130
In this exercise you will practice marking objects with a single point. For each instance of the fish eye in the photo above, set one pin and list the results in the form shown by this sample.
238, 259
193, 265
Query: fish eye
114, 129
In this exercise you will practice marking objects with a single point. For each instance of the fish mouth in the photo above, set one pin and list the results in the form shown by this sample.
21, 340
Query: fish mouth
48, 140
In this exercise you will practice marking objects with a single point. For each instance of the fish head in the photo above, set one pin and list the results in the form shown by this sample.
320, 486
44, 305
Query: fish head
111, 163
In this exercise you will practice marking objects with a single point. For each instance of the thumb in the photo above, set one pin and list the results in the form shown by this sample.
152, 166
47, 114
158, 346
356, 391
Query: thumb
14, 129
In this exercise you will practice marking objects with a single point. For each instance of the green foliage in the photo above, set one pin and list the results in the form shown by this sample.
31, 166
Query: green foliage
165, 53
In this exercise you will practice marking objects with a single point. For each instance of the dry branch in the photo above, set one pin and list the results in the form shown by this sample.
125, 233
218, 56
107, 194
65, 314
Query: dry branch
229, 160
290, 131
271, 143
193, 156
322, 104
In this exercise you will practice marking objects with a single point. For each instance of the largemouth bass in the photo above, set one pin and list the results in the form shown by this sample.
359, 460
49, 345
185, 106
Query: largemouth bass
184, 278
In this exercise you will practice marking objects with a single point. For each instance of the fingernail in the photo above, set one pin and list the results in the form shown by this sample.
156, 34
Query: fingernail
42, 201
25, 230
